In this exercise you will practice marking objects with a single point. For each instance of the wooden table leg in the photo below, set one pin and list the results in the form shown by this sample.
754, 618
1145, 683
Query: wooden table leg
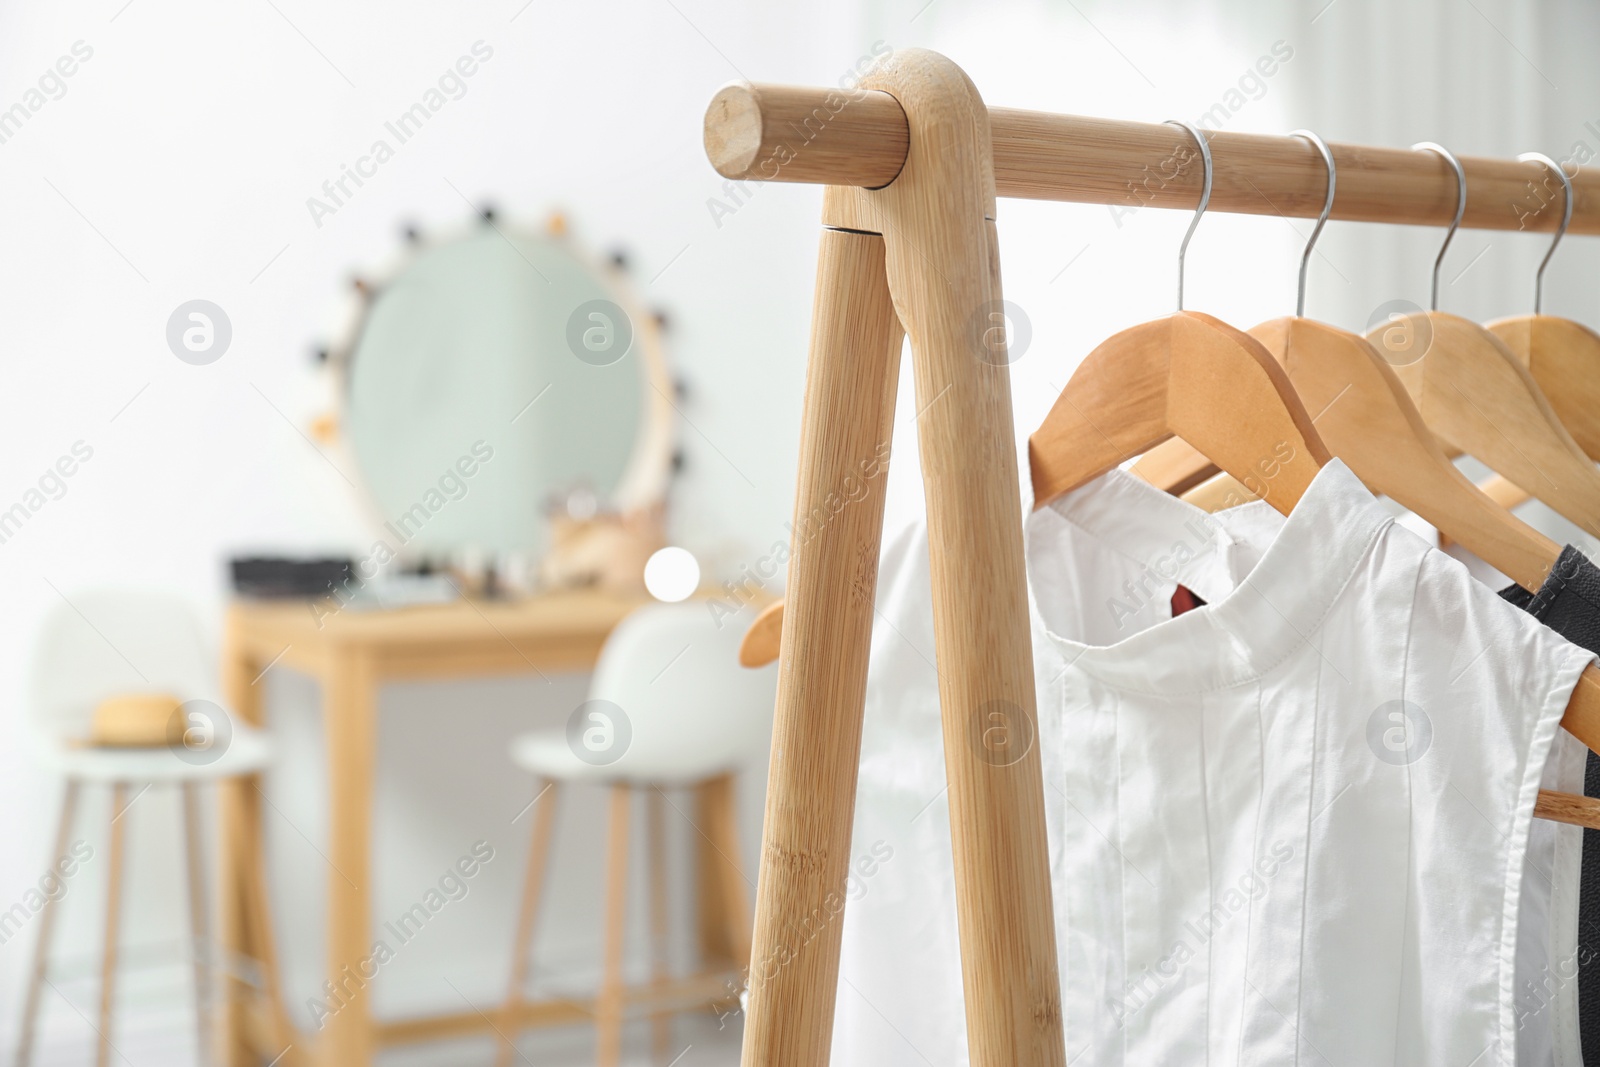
240, 820
350, 719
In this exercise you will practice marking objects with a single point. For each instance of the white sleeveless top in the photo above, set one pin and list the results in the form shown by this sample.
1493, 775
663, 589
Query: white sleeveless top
1286, 827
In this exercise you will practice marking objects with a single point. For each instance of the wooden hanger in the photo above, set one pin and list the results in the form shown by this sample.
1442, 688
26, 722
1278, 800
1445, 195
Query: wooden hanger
1220, 390
1367, 418
1174, 466
1189, 376
1194, 377
1478, 398
1563, 356
759, 646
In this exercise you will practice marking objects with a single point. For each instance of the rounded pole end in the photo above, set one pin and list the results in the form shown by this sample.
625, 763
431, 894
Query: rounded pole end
733, 129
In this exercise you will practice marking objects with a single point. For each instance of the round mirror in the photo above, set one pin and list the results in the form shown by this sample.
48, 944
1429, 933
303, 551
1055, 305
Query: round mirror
493, 375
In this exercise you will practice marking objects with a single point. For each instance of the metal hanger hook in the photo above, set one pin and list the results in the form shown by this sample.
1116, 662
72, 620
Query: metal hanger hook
1205, 195
1461, 208
1327, 209
1561, 231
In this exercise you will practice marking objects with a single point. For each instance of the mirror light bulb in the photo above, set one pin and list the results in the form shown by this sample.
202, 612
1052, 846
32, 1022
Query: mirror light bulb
671, 574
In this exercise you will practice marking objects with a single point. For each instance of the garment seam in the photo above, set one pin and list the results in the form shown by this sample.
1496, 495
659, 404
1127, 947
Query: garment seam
1250, 912
1305, 868
1211, 871
1411, 824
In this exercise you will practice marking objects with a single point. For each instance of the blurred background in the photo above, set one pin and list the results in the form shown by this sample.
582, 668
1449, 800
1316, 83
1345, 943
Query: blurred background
194, 153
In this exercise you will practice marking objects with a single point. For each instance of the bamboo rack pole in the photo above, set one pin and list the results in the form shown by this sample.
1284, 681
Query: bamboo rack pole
939, 280
860, 138
816, 741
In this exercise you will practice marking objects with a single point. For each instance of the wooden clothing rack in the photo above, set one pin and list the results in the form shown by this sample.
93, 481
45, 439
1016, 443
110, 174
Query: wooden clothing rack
913, 161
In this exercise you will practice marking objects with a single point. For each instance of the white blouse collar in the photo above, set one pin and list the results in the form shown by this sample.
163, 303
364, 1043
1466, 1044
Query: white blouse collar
1261, 605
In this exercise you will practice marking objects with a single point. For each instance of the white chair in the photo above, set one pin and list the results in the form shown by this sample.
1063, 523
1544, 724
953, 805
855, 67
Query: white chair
669, 705
113, 642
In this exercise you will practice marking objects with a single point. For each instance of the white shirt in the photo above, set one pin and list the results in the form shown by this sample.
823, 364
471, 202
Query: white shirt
1286, 827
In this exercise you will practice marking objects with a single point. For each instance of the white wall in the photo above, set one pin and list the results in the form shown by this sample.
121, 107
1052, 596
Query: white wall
178, 163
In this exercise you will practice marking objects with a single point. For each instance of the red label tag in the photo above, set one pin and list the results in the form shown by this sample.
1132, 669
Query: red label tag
1184, 599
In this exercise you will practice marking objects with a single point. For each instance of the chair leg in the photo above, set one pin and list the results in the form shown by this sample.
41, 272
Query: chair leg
656, 850
47, 920
710, 913
724, 832
544, 818
608, 1013
108, 963
199, 920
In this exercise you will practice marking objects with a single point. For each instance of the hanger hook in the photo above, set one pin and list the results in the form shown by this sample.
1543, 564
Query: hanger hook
1205, 195
1327, 209
1461, 207
1561, 231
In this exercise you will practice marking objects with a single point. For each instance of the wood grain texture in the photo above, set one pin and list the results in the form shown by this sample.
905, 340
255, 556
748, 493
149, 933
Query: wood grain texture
1564, 358
1188, 375
851, 375
751, 129
1366, 418
779, 133
943, 266
1568, 808
1475, 396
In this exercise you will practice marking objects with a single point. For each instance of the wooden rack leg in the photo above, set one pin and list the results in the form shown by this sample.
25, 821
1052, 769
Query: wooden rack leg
833, 568
943, 266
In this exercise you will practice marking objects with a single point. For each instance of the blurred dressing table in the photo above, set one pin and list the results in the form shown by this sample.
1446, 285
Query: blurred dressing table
495, 343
